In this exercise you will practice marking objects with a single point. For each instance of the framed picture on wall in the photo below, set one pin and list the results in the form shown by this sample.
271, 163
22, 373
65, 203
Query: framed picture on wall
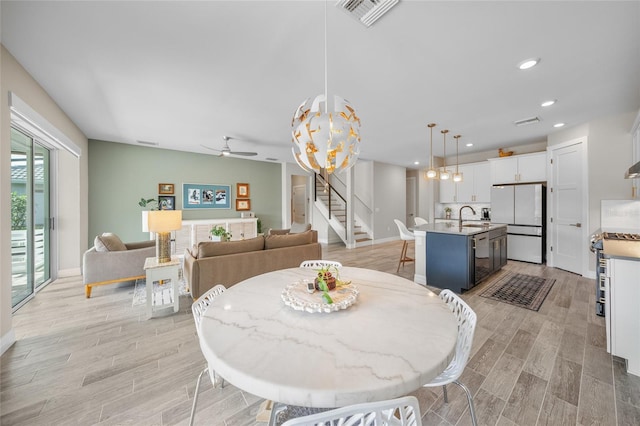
243, 204
204, 196
166, 202
242, 190
165, 188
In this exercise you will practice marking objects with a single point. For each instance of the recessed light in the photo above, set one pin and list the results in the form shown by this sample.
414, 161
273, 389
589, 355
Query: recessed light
469, 144
558, 125
548, 103
416, 162
528, 63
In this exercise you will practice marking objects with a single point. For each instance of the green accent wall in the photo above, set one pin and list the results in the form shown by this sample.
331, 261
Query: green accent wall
121, 174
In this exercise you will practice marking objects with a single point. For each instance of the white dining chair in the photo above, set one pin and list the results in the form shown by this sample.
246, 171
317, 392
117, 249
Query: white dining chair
420, 221
405, 236
466, 326
403, 411
320, 264
198, 309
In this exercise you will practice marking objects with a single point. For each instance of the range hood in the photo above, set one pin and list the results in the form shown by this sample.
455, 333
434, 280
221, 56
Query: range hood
633, 172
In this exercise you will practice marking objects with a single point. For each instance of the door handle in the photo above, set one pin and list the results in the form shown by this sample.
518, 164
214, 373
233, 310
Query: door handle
577, 225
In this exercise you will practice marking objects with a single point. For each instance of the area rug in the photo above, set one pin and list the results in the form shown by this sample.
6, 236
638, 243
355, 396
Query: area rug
163, 292
525, 291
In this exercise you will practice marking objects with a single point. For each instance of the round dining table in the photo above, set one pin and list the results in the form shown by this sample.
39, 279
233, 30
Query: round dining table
396, 337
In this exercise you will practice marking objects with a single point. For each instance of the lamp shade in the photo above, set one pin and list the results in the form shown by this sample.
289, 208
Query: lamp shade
164, 220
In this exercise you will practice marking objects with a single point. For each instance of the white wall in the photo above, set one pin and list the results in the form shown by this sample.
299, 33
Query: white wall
609, 153
609, 156
389, 199
72, 184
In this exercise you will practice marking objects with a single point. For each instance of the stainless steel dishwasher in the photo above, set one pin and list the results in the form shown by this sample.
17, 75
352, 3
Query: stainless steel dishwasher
483, 267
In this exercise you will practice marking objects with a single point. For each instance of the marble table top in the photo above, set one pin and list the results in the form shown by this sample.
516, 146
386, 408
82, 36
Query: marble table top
395, 338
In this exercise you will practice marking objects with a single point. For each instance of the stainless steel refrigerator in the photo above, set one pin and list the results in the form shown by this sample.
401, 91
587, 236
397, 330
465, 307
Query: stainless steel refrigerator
523, 209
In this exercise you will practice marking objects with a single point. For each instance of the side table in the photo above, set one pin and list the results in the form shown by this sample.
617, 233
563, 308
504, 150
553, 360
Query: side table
162, 272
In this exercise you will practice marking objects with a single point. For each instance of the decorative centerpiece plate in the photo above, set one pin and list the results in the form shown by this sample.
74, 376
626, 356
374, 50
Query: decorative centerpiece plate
296, 296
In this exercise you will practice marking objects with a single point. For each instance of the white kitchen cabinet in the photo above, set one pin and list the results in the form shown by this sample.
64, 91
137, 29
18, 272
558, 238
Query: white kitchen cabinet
464, 189
482, 182
474, 188
519, 169
447, 191
623, 315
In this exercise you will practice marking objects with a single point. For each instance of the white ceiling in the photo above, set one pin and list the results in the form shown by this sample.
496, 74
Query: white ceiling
184, 74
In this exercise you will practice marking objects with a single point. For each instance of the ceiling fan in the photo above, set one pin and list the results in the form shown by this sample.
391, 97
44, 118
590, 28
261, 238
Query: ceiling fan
226, 151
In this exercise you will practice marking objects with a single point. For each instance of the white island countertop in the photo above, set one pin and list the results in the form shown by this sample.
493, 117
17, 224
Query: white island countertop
468, 228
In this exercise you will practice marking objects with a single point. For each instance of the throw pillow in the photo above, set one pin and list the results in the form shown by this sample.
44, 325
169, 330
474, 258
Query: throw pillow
297, 228
210, 249
278, 231
289, 240
109, 242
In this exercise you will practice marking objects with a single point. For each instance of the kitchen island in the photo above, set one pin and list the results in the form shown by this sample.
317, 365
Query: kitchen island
458, 257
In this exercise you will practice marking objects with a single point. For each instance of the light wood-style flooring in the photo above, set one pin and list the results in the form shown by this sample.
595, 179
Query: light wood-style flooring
87, 361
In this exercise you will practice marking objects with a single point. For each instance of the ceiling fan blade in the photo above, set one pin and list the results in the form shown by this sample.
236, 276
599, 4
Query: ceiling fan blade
212, 149
246, 154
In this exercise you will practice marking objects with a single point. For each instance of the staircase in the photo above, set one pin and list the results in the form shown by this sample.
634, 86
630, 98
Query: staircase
332, 205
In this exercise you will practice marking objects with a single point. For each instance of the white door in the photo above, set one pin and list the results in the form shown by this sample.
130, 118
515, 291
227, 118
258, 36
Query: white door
411, 201
568, 241
299, 204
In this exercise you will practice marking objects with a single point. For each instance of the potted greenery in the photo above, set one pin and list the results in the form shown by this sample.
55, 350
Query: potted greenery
147, 204
259, 226
219, 233
447, 212
151, 203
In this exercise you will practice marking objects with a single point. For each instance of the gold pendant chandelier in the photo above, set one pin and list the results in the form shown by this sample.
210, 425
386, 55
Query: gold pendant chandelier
444, 174
457, 176
322, 139
436, 173
431, 173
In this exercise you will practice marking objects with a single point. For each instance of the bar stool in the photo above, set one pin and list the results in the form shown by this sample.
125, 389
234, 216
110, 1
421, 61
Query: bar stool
405, 236
420, 221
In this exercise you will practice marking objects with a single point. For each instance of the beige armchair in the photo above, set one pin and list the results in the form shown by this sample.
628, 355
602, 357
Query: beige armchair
111, 261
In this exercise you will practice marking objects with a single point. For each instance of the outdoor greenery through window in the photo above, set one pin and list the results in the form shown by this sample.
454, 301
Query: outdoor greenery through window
30, 234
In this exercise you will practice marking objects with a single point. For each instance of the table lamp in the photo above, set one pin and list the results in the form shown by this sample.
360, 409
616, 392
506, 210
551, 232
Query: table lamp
162, 222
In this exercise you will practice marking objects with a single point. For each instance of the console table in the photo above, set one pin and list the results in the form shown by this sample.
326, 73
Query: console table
195, 231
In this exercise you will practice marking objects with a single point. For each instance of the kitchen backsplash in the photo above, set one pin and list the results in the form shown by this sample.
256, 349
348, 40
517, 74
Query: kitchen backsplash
620, 215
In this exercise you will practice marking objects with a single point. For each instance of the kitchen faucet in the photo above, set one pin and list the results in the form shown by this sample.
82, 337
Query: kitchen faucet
460, 215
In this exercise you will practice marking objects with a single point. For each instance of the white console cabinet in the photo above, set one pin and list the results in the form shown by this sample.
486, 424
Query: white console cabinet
519, 168
195, 231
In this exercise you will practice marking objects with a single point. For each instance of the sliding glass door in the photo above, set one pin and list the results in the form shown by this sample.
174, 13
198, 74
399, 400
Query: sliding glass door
30, 216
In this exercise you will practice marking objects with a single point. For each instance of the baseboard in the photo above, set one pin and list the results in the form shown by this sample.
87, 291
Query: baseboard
72, 272
7, 340
385, 240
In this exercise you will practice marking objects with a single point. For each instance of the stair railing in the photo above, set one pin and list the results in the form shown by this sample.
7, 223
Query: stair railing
323, 185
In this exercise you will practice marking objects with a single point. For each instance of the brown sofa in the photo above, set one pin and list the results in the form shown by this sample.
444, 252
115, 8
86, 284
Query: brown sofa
230, 262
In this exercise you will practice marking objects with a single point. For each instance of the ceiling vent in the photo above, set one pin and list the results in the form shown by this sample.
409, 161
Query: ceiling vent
526, 121
366, 11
